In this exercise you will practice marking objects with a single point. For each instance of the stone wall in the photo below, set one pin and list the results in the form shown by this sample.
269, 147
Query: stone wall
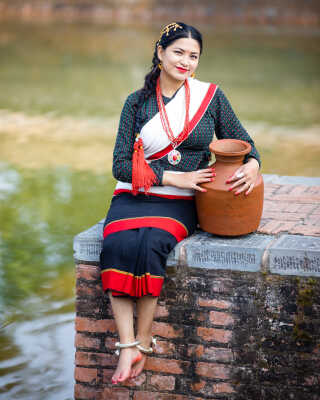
238, 318
248, 12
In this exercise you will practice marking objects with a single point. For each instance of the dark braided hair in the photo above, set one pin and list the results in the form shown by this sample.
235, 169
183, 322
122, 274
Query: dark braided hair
170, 33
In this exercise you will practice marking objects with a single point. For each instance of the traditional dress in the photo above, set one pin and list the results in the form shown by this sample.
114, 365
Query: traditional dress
140, 231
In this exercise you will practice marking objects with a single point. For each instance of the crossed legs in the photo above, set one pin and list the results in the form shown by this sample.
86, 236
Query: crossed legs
131, 360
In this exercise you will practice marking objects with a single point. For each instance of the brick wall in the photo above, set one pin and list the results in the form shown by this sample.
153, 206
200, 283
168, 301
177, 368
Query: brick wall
221, 335
237, 318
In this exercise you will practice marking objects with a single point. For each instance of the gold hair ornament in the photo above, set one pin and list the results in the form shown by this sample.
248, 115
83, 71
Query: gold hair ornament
166, 30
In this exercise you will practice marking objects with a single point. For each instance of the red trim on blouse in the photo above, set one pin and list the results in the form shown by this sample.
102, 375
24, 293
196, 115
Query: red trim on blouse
176, 228
166, 196
193, 123
122, 283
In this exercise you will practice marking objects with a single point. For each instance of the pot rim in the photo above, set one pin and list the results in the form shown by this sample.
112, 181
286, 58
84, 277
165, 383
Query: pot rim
216, 143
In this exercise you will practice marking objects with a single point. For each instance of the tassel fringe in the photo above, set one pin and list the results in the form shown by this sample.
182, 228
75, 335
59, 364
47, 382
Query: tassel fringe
142, 174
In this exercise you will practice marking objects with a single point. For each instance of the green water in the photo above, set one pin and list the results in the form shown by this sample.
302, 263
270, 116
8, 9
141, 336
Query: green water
40, 214
86, 71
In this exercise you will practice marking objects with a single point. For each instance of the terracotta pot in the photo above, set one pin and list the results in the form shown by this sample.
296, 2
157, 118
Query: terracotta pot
221, 212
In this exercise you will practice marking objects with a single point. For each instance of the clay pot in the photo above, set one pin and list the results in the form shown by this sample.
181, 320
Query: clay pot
221, 212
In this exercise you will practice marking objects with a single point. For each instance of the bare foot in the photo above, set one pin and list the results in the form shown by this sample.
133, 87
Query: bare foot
137, 368
128, 357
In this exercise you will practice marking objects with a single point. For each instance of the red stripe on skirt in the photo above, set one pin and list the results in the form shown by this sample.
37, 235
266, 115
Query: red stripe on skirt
165, 196
121, 283
176, 228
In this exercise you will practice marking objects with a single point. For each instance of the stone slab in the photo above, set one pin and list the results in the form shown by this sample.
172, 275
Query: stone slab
87, 245
291, 180
203, 250
295, 255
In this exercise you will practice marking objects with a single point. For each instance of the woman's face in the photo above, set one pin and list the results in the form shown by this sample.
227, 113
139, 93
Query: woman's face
180, 59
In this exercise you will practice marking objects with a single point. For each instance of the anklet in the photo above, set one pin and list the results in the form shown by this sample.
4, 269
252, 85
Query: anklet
125, 345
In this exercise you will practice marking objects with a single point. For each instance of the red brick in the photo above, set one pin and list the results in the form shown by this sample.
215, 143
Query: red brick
84, 305
272, 187
284, 189
223, 387
165, 365
308, 199
84, 290
163, 382
275, 227
307, 208
212, 334
283, 216
307, 230
213, 371
199, 316
298, 190
88, 375
163, 347
214, 303
198, 386
107, 375
82, 340
115, 393
316, 211
222, 286
110, 342
87, 272
313, 220
84, 358
165, 330
159, 396
291, 207
218, 354
161, 311
85, 392
314, 189
195, 350
269, 205
221, 318
95, 325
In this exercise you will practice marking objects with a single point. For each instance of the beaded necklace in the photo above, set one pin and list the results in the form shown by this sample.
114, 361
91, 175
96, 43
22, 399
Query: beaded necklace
174, 156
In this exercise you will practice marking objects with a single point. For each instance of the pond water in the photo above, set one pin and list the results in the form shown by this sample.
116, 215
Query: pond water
40, 214
61, 91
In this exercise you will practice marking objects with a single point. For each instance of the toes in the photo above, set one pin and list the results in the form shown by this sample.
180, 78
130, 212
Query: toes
114, 379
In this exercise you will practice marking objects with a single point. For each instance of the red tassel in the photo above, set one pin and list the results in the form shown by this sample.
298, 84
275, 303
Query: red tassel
142, 174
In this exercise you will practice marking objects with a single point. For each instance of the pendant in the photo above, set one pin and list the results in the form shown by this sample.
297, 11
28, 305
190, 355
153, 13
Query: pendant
174, 157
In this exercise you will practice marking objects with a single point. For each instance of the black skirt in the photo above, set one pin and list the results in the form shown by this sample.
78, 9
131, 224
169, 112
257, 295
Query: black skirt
139, 233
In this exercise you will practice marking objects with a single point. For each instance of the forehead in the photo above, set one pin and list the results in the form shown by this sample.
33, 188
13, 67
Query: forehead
187, 44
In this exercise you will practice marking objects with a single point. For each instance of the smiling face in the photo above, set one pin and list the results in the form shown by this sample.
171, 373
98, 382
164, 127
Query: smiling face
180, 59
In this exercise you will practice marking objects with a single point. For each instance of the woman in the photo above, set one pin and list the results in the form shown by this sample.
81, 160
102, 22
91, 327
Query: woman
161, 157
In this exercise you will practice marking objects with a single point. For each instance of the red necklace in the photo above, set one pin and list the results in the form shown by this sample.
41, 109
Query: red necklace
174, 156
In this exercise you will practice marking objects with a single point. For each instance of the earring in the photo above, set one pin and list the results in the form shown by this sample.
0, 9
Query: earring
193, 75
160, 66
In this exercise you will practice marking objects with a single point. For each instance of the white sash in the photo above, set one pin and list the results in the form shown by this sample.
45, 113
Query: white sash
155, 138
153, 135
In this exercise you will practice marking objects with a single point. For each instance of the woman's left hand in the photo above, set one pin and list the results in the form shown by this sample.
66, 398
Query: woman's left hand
244, 177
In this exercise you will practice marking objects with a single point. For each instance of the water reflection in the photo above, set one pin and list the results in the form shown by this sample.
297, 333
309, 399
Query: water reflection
40, 213
41, 359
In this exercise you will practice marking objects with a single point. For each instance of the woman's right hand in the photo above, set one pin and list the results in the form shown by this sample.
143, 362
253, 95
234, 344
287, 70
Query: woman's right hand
189, 180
